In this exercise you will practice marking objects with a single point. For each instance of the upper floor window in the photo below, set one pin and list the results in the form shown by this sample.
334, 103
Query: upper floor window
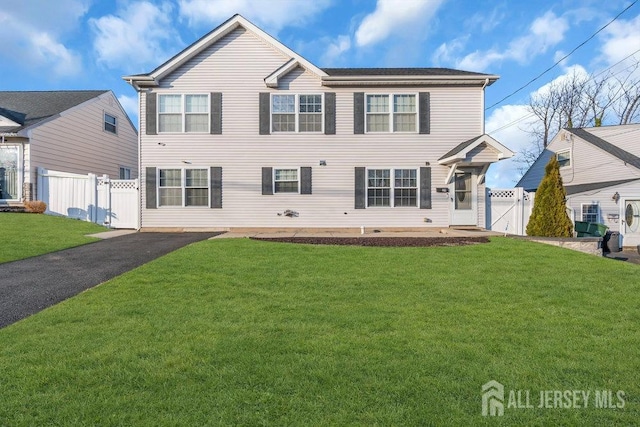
296, 113
564, 158
183, 113
110, 123
391, 113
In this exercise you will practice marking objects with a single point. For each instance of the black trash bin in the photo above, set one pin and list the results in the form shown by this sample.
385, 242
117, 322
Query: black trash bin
612, 241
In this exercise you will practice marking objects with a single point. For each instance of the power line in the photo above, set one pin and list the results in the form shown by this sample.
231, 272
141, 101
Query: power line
563, 58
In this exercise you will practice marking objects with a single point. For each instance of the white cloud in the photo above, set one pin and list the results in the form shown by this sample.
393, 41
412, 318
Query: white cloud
141, 35
446, 52
544, 33
335, 49
268, 15
509, 125
395, 16
32, 31
622, 38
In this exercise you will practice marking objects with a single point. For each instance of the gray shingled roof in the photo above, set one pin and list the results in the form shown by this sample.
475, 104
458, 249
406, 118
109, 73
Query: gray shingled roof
618, 152
580, 188
398, 72
29, 108
458, 148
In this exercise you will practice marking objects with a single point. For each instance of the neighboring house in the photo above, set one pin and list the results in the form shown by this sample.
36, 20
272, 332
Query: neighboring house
69, 131
237, 130
600, 170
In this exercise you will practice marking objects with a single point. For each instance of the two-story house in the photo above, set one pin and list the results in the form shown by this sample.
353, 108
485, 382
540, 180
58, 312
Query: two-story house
75, 131
600, 169
238, 131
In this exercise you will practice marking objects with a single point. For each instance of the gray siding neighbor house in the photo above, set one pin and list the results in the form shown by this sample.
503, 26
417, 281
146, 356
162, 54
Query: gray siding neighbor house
69, 131
239, 131
600, 168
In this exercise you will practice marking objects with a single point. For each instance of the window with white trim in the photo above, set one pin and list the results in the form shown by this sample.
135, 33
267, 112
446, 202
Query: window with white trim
125, 173
391, 113
183, 187
590, 212
564, 158
285, 181
179, 113
382, 191
296, 113
110, 123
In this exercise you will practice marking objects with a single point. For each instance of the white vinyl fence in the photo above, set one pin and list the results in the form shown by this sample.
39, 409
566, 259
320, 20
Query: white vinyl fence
508, 210
110, 202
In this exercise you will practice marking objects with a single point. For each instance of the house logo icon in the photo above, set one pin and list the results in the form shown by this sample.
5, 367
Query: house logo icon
492, 399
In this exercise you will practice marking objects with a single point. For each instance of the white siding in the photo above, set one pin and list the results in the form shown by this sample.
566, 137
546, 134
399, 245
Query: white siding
611, 212
237, 66
76, 141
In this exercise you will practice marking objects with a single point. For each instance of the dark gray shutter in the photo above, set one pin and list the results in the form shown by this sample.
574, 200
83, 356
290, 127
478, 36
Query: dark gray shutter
151, 188
305, 180
360, 188
151, 114
265, 111
216, 113
215, 187
330, 113
358, 112
267, 181
425, 112
425, 188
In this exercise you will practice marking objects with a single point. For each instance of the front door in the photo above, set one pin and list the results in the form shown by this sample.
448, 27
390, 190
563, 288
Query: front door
631, 216
464, 198
10, 182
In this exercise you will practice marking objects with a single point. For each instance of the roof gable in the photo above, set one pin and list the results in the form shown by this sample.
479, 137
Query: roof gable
27, 109
461, 152
236, 21
606, 146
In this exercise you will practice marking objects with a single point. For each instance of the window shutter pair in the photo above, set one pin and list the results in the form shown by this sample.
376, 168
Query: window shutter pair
264, 115
215, 188
215, 113
424, 107
267, 180
361, 188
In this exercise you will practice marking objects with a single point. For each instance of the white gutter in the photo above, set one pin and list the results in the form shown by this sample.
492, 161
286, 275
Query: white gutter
486, 83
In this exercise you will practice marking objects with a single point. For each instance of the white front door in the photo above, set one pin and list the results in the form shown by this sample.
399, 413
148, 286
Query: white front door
464, 198
10, 176
631, 218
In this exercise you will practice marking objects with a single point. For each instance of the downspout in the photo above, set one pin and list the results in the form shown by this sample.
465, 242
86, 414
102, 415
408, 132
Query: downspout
486, 83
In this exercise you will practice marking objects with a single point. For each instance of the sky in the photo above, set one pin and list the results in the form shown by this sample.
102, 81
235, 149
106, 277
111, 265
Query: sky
91, 44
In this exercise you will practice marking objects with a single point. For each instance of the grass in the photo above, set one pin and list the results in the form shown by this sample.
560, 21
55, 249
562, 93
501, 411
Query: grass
257, 333
27, 235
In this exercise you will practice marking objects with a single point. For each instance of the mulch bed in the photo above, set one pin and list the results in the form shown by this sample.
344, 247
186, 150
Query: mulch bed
380, 241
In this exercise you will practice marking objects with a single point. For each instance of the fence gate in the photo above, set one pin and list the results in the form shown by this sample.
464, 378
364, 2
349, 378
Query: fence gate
118, 201
110, 202
508, 210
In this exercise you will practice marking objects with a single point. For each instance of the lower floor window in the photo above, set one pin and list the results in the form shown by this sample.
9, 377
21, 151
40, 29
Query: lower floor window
590, 213
286, 181
183, 187
383, 191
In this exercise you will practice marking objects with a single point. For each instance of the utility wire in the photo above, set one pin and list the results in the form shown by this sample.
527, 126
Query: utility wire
562, 59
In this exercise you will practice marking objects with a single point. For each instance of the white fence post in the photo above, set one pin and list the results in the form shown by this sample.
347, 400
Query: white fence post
508, 210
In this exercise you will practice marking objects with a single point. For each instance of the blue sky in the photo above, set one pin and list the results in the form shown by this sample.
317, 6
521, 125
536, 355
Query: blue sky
90, 44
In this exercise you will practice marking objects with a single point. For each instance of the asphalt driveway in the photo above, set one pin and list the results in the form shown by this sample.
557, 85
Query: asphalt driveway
31, 285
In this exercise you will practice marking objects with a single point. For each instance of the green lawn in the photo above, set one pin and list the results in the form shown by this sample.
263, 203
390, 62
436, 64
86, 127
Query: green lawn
241, 332
27, 235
